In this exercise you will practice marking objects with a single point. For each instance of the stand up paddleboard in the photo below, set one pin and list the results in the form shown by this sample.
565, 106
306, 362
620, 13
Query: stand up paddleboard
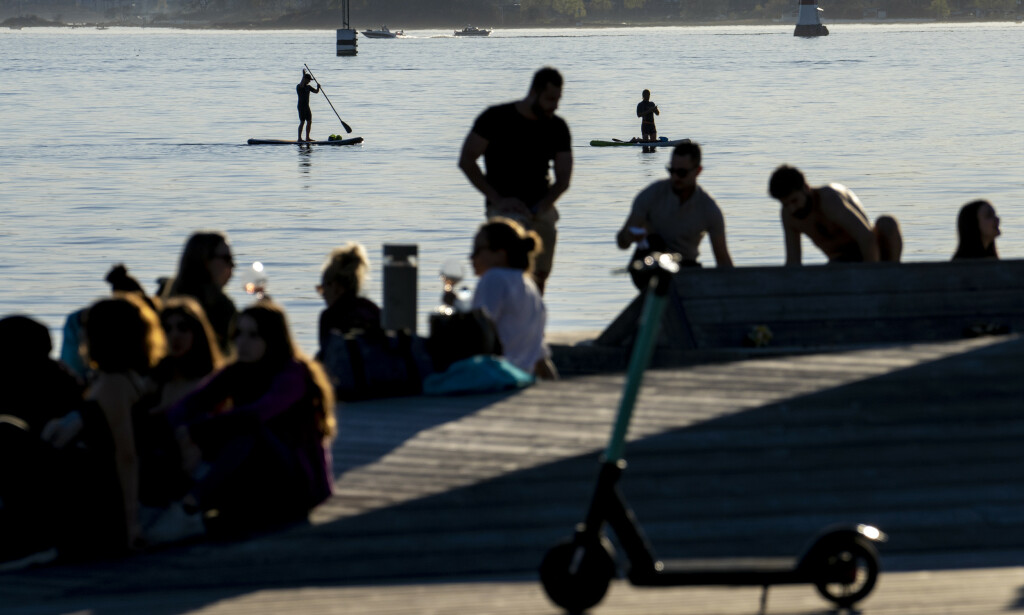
663, 142
351, 141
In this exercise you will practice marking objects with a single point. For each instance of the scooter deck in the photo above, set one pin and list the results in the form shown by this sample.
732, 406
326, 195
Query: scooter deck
722, 571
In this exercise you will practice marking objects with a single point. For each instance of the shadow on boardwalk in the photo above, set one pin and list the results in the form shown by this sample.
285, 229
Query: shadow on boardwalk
748, 458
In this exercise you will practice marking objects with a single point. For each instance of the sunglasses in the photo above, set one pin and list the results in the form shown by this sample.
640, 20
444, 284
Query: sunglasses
680, 171
227, 258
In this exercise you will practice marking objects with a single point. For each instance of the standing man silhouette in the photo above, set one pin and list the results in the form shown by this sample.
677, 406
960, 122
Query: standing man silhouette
519, 141
646, 110
305, 113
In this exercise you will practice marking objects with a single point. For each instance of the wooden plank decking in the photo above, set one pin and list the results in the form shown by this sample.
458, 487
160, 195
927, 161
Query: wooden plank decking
447, 504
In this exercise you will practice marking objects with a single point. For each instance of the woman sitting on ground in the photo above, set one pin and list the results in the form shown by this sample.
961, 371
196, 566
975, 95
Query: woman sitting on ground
123, 342
978, 226
261, 427
192, 354
205, 268
342, 280
192, 351
503, 257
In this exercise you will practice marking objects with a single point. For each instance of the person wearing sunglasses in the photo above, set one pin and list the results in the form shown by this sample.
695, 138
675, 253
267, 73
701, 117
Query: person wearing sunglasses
674, 214
834, 219
206, 266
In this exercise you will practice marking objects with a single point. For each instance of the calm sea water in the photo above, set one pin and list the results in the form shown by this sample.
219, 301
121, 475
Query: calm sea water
117, 144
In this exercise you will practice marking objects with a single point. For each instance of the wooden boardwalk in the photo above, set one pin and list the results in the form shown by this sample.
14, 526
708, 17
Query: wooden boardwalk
446, 505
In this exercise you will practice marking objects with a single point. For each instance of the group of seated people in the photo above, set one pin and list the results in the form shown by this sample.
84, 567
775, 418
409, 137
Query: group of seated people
174, 415
675, 214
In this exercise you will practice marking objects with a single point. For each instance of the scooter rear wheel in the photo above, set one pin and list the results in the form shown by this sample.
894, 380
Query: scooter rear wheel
576, 574
848, 572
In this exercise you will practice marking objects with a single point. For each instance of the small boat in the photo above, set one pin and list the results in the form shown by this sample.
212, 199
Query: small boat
661, 142
472, 31
351, 141
383, 33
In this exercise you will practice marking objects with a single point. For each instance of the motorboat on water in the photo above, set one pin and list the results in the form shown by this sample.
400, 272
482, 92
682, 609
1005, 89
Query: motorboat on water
384, 32
472, 31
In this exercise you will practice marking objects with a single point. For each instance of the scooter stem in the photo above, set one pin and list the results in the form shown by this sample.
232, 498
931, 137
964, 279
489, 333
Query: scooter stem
643, 349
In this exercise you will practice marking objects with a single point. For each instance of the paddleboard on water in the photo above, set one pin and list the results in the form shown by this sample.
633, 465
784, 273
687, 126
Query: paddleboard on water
659, 143
351, 141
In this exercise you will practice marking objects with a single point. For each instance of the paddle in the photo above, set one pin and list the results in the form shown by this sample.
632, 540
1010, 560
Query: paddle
344, 125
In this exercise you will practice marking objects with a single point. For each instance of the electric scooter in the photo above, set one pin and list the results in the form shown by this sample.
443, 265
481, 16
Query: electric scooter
841, 562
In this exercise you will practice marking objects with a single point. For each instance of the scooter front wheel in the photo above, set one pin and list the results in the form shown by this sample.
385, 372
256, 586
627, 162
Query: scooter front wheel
849, 572
576, 573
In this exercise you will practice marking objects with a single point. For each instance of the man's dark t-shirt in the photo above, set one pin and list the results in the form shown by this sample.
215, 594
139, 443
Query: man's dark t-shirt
303, 91
520, 150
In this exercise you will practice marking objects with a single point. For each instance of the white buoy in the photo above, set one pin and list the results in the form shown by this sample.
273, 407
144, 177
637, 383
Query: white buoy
808, 22
346, 42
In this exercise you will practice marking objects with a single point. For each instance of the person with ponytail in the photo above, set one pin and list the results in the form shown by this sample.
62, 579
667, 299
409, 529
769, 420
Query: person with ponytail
503, 258
341, 283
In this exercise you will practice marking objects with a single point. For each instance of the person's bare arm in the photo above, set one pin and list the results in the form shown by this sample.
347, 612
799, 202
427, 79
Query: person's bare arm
114, 394
472, 149
627, 235
718, 246
839, 213
563, 172
793, 248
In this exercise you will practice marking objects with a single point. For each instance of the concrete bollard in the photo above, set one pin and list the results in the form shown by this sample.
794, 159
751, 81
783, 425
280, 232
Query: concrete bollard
400, 277
808, 22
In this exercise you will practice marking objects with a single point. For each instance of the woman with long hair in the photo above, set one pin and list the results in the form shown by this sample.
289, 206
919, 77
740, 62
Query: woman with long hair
206, 266
192, 351
503, 257
257, 433
977, 226
123, 342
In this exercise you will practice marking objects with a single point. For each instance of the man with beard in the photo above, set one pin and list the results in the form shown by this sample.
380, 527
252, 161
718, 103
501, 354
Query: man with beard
833, 218
674, 214
519, 141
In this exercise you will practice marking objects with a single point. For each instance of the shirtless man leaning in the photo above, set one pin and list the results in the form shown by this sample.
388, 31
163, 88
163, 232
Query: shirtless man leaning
833, 218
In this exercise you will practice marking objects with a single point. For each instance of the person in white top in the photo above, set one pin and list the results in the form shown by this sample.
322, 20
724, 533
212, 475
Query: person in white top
503, 258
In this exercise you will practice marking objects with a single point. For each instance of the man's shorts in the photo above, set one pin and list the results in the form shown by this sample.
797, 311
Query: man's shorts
543, 224
305, 113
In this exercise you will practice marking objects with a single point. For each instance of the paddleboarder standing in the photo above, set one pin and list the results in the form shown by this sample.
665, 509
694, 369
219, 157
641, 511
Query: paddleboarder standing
646, 110
305, 113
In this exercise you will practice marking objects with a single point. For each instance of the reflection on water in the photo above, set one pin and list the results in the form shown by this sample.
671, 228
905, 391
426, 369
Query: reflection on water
141, 142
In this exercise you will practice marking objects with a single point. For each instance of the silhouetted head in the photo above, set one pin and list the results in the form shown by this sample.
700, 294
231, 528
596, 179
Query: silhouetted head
344, 272
789, 186
545, 92
206, 259
977, 226
191, 341
262, 335
502, 242
123, 333
684, 167
23, 338
646, 94
784, 181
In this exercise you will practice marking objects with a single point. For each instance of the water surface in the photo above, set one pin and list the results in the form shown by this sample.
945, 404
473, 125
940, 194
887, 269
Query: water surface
119, 143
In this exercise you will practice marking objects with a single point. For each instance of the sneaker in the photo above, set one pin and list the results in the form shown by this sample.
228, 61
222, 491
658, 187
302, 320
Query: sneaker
172, 525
